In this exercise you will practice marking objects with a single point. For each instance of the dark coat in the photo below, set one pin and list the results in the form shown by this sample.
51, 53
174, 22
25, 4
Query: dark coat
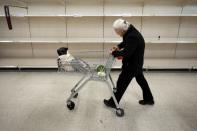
132, 46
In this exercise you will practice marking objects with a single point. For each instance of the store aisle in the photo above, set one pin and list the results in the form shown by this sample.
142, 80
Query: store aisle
35, 101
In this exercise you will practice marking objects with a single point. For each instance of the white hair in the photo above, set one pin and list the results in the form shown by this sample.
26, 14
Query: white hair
121, 24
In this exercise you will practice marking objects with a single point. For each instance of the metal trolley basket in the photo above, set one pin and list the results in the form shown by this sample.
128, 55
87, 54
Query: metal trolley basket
90, 74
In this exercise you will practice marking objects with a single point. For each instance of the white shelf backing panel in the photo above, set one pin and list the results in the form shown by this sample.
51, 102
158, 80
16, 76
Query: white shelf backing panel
86, 50
84, 8
161, 50
46, 7
165, 63
190, 7
2, 11
84, 40
170, 40
13, 50
112, 40
49, 50
186, 50
122, 8
48, 27
83, 27
188, 27
108, 22
170, 63
29, 62
160, 26
20, 28
46, 39
108, 29
14, 11
2, 3
162, 7
162, 40
116, 65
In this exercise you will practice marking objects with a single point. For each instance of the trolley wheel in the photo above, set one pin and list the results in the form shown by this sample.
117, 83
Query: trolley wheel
76, 95
70, 105
119, 112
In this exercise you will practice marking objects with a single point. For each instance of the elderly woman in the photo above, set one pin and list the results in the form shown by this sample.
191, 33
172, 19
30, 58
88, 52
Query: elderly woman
131, 50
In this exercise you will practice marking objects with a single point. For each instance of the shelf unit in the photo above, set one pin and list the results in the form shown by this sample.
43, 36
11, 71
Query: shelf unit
114, 15
85, 27
94, 40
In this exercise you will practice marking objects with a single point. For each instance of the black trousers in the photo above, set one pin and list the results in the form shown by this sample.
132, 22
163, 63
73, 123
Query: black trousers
125, 78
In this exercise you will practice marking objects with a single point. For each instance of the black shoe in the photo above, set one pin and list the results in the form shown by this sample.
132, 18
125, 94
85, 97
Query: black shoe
143, 102
109, 103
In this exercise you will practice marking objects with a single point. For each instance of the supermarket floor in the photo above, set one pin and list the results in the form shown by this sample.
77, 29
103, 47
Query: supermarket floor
35, 101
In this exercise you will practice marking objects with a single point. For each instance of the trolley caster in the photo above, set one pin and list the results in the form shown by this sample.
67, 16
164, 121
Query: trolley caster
119, 112
76, 95
70, 105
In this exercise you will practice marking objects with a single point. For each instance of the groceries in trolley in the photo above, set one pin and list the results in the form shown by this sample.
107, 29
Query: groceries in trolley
65, 59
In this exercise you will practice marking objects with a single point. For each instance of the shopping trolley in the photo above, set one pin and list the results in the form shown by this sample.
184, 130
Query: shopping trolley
90, 74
